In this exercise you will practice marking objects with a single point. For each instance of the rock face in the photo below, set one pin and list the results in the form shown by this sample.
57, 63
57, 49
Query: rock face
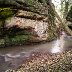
31, 13
40, 27
29, 5
30, 19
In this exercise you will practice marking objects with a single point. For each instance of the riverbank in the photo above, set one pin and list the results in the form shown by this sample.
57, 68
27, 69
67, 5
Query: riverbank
14, 41
46, 62
20, 40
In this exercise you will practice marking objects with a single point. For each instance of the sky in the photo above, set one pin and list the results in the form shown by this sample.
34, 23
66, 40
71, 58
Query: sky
57, 5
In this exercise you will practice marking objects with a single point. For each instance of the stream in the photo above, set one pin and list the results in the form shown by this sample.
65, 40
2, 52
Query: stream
13, 57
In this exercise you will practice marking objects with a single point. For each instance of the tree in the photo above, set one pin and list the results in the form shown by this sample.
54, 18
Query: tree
65, 7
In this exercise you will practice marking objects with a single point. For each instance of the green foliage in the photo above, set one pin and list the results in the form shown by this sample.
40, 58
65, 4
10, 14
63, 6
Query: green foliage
70, 12
29, 1
16, 40
14, 31
14, 36
42, 1
69, 16
6, 13
20, 38
2, 41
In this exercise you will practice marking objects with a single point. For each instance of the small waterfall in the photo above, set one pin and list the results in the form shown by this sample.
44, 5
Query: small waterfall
56, 47
59, 44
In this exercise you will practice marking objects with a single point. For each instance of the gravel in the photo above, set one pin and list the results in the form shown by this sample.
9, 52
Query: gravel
46, 62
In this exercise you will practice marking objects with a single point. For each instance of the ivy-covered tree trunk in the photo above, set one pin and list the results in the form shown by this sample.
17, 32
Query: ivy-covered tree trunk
52, 33
62, 23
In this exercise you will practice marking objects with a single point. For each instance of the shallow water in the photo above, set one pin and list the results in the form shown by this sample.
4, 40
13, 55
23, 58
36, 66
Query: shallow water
12, 57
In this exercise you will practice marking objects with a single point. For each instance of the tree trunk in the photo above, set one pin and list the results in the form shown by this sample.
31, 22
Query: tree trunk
66, 9
63, 23
52, 34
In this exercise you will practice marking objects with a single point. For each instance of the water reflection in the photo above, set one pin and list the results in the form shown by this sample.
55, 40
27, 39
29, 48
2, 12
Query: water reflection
56, 47
59, 44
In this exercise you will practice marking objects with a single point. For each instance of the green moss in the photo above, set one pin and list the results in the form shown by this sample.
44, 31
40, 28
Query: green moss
17, 40
2, 41
30, 1
20, 38
5, 13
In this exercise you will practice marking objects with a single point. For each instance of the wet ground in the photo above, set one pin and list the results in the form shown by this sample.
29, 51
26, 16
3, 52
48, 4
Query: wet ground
13, 57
